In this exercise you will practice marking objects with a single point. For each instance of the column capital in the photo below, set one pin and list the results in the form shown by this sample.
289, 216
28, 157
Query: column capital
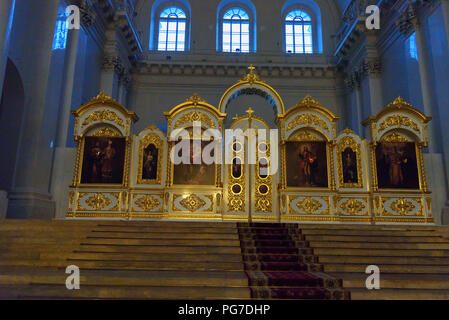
372, 67
113, 63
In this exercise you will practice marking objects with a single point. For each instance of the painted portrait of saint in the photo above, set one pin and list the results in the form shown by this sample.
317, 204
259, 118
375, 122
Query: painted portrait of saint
150, 162
194, 174
349, 165
306, 164
103, 160
397, 165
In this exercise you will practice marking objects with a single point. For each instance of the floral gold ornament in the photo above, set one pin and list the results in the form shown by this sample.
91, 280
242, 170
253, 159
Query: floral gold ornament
352, 206
395, 137
195, 99
309, 205
192, 117
103, 115
106, 132
147, 203
307, 119
402, 206
399, 121
97, 202
193, 203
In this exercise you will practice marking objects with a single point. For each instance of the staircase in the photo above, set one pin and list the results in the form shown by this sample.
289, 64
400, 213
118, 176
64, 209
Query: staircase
413, 260
204, 260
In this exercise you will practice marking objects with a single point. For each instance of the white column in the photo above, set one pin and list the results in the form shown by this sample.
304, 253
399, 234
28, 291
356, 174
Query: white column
359, 97
67, 87
6, 17
29, 196
426, 80
372, 68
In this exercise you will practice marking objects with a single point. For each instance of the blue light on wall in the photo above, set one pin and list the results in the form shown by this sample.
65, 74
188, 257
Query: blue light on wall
61, 31
413, 48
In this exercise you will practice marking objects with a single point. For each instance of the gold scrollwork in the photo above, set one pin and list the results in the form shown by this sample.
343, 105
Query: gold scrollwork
394, 137
352, 206
192, 117
106, 132
309, 205
307, 119
148, 203
399, 121
192, 203
96, 202
103, 115
402, 206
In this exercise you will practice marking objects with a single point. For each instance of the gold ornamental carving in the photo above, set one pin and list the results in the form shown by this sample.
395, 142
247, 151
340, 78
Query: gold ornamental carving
395, 137
398, 120
97, 202
193, 203
309, 205
308, 135
252, 77
194, 116
402, 206
103, 115
195, 99
352, 206
308, 119
106, 132
147, 203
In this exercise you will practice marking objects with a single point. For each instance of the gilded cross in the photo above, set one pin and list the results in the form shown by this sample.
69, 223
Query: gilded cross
251, 69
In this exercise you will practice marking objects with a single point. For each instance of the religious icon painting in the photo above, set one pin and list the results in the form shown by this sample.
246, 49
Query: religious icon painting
349, 165
194, 173
397, 166
150, 162
103, 160
307, 164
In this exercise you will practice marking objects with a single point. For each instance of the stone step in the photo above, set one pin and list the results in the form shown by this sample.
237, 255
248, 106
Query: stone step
129, 265
383, 260
381, 252
54, 276
164, 235
160, 249
378, 245
376, 239
371, 227
379, 233
397, 280
386, 268
123, 292
162, 242
398, 294
125, 256
167, 229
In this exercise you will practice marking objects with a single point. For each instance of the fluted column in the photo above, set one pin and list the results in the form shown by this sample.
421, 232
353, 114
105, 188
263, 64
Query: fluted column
354, 83
112, 68
6, 17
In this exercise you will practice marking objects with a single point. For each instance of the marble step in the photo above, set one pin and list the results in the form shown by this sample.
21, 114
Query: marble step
397, 280
55, 276
128, 265
123, 292
163, 235
381, 252
375, 239
373, 233
383, 260
398, 294
386, 268
162, 242
378, 245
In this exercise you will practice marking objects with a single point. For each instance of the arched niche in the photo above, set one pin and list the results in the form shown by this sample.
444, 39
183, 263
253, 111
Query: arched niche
252, 84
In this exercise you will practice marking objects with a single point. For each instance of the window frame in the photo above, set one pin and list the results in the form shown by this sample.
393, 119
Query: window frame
249, 12
157, 22
315, 46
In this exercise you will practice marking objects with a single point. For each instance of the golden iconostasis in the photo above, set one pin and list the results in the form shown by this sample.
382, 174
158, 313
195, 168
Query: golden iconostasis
308, 173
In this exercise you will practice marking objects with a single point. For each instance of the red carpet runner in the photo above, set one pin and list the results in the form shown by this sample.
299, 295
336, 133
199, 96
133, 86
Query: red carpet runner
280, 265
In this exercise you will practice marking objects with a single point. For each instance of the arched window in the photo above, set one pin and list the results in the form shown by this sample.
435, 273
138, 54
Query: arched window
298, 32
172, 30
235, 30
61, 30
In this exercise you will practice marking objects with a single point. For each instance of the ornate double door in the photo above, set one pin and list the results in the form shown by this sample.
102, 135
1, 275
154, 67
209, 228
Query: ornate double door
249, 180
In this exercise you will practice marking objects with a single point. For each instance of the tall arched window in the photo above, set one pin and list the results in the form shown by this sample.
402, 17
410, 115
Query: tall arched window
61, 30
235, 30
172, 30
298, 32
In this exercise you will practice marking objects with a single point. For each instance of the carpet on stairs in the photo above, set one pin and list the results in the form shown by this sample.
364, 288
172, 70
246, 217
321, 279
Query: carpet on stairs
279, 264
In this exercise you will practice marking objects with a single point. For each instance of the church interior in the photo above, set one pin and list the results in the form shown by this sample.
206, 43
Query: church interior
309, 133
